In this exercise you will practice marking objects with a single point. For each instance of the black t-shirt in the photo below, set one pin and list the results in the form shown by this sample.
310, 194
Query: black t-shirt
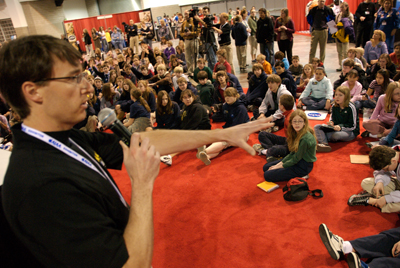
225, 38
65, 213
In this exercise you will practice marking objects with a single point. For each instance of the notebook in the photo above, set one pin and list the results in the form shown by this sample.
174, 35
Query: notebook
268, 186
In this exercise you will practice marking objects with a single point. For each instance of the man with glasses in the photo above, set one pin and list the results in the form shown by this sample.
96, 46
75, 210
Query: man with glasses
58, 198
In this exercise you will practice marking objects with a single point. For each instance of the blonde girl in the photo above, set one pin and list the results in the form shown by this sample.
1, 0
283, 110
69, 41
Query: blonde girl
308, 73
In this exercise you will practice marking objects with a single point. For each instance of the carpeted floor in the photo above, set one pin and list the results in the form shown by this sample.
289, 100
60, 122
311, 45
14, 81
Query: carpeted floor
215, 216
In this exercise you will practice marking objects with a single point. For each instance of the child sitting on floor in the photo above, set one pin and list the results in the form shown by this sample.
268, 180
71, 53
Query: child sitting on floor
355, 88
201, 66
280, 56
269, 107
390, 139
170, 50
344, 120
205, 90
274, 146
286, 76
302, 145
318, 93
308, 73
381, 191
139, 116
168, 112
178, 72
235, 113
383, 117
296, 68
261, 59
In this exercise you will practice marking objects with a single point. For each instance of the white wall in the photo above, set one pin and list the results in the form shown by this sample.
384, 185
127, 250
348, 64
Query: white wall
75, 9
152, 3
12, 9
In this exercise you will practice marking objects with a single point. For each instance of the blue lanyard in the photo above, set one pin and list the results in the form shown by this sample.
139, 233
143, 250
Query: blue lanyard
71, 153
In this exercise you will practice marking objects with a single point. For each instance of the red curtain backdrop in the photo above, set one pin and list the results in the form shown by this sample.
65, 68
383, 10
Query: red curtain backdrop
297, 10
91, 22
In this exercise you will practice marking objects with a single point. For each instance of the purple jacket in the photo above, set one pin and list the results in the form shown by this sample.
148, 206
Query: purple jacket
169, 51
289, 32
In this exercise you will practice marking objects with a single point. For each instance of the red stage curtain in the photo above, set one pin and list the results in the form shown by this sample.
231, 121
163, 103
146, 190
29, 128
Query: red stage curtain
91, 22
297, 10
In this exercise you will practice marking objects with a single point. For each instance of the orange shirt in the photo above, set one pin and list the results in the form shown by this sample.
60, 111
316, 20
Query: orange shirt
286, 122
267, 67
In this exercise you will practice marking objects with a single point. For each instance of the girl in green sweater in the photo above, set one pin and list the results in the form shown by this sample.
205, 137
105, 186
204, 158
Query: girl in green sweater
302, 145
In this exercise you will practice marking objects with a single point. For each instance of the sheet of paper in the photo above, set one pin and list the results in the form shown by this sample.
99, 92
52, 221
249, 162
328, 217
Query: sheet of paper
359, 159
332, 26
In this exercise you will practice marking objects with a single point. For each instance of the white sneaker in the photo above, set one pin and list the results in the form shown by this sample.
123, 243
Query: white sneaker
204, 157
333, 243
166, 159
306, 177
199, 150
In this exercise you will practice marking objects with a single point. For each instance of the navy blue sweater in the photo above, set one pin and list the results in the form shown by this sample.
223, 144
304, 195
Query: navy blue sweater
235, 114
169, 121
239, 33
257, 88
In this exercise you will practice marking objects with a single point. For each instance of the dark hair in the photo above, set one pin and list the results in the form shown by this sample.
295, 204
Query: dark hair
353, 73
387, 58
189, 93
280, 64
320, 69
279, 55
386, 79
220, 67
31, 58
257, 66
397, 44
287, 101
348, 62
380, 157
202, 75
161, 110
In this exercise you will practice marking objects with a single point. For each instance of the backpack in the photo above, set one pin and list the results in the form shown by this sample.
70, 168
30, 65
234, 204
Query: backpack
297, 190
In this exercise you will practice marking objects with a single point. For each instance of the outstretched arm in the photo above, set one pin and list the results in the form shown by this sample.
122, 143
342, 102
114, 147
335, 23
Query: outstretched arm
174, 141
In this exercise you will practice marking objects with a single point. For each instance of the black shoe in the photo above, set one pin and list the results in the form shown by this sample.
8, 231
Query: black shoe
273, 158
369, 145
353, 261
339, 70
365, 134
360, 199
254, 61
332, 242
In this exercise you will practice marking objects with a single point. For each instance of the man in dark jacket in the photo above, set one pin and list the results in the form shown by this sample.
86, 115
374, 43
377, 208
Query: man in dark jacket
365, 21
318, 18
239, 33
265, 35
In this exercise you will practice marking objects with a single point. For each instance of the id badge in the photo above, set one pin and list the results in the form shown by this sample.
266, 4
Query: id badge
384, 23
366, 12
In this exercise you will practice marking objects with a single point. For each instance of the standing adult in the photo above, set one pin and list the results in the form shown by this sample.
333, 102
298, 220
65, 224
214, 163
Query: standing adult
178, 26
163, 31
239, 33
375, 47
133, 36
245, 22
365, 22
252, 21
388, 21
343, 45
224, 37
265, 35
117, 39
58, 197
284, 27
96, 38
103, 39
188, 33
147, 33
318, 18
88, 42
208, 36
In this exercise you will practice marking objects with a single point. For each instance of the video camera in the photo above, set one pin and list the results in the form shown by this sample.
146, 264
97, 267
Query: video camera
193, 12
209, 20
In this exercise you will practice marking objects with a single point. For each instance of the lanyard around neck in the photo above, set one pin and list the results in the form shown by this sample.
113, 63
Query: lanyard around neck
71, 153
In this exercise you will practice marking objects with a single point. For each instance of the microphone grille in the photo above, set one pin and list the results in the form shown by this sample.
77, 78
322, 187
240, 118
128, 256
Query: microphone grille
107, 116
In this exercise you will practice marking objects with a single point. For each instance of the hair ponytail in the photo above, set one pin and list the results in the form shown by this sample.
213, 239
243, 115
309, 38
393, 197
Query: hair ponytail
137, 94
144, 104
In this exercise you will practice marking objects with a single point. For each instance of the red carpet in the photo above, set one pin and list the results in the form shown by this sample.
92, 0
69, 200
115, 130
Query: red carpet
215, 216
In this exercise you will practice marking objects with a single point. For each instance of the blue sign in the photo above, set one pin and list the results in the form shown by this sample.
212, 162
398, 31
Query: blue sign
314, 114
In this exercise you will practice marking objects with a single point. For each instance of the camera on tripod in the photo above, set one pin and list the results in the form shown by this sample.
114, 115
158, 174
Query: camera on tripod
209, 20
193, 12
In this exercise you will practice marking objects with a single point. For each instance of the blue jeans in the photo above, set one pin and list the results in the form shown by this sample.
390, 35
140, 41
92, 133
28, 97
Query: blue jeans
104, 45
365, 103
314, 103
324, 137
210, 55
118, 44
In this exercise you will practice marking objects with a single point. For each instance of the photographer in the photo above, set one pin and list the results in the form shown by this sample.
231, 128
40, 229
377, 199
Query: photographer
224, 37
188, 33
208, 37
239, 33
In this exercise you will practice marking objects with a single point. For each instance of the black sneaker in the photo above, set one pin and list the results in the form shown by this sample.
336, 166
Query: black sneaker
365, 134
353, 261
360, 199
333, 243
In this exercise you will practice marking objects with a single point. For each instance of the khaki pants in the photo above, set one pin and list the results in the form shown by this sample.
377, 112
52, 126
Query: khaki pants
134, 44
341, 51
229, 56
190, 55
369, 183
318, 37
241, 52
253, 46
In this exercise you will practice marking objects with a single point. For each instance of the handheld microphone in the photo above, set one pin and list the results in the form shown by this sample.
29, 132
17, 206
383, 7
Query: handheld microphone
108, 118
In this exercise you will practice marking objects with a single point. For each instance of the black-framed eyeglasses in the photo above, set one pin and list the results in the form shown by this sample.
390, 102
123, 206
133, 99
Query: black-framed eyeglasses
78, 78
